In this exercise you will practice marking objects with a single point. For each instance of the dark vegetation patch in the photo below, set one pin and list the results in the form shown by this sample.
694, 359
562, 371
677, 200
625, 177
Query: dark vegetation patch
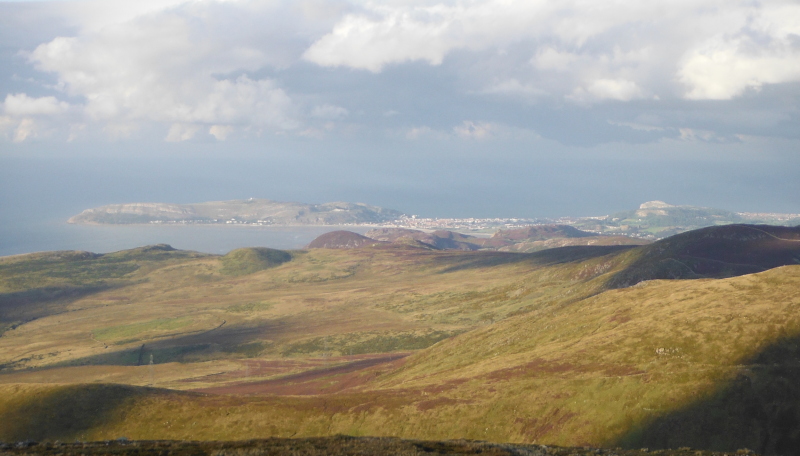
249, 260
338, 445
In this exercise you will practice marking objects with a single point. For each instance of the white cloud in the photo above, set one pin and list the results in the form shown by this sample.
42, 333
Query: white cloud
183, 63
221, 132
609, 89
181, 132
21, 105
548, 58
25, 129
584, 51
722, 69
225, 67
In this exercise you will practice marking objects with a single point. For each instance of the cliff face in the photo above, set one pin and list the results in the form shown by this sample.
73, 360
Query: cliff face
250, 211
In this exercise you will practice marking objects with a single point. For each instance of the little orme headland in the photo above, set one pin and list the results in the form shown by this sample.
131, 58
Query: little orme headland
691, 341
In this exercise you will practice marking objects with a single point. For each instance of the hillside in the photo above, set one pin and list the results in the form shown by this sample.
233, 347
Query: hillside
396, 339
251, 211
713, 252
341, 240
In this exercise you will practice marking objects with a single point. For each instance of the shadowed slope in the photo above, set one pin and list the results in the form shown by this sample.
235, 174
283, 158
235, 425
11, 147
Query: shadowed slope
249, 260
759, 408
36, 285
714, 252
63, 413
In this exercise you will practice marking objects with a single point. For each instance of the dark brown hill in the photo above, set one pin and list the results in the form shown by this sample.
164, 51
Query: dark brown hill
713, 252
441, 239
341, 240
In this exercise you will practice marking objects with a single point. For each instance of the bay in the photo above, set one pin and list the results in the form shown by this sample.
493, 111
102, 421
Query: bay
37, 236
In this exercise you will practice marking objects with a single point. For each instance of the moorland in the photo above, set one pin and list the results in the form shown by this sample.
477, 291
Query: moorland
692, 341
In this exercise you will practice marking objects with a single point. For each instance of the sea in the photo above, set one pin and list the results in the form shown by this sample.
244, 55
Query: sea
38, 196
219, 239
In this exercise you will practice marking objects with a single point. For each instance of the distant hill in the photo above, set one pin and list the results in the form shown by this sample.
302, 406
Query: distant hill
657, 220
250, 211
341, 240
440, 239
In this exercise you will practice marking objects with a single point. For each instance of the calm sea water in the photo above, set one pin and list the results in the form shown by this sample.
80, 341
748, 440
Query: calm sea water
56, 235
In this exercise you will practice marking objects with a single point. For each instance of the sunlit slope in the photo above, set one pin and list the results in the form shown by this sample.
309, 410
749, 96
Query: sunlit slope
180, 306
603, 369
609, 369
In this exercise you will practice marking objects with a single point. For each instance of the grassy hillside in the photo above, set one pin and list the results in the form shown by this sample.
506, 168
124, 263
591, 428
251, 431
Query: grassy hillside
399, 340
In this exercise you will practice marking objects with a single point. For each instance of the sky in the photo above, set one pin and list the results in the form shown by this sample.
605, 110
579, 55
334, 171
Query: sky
459, 108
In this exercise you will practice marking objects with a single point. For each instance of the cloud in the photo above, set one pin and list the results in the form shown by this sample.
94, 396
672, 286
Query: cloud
582, 51
183, 68
181, 132
221, 132
723, 68
475, 130
21, 105
607, 89
25, 129
184, 65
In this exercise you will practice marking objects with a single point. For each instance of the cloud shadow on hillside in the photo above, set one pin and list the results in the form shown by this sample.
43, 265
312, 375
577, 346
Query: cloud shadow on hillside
23, 306
227, 340
65, 413
759, 409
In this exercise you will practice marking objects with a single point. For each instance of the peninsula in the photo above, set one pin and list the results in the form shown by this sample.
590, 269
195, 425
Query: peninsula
252, 211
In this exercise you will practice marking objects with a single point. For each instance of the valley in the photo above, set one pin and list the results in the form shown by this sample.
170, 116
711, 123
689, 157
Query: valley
691, 341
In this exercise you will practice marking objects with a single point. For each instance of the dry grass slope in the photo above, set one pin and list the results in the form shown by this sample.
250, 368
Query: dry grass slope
395, 340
